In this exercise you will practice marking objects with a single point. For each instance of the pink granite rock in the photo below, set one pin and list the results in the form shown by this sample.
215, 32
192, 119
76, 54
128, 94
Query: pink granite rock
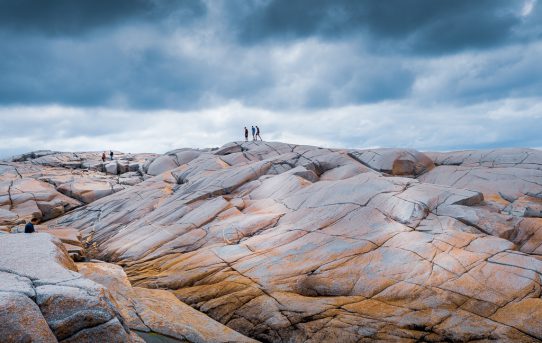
284, 242
297, 243
44, 299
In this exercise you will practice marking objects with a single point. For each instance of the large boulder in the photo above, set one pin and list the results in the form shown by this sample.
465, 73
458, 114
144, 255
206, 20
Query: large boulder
406, 162
112, 168
40, 286
162, 164
89, 190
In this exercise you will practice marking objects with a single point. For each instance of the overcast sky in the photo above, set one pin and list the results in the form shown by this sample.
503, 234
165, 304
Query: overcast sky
154, 75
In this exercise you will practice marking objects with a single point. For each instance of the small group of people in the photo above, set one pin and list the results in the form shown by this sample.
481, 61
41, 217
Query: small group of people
255, 133
110, 155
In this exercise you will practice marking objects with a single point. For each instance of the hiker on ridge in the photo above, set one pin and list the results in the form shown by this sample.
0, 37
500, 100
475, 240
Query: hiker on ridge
258, 133
111, 154
29, 227
246, 134
253, 133
103, 157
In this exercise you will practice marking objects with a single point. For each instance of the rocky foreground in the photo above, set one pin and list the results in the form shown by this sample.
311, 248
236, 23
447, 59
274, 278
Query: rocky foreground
277, 242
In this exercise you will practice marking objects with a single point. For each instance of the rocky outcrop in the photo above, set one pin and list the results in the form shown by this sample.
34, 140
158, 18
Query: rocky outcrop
47, 184
302, 244
169, 161
25, 198
156, 313
44, 299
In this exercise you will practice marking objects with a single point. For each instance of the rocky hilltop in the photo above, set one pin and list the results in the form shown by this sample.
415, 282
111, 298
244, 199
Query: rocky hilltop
276, 242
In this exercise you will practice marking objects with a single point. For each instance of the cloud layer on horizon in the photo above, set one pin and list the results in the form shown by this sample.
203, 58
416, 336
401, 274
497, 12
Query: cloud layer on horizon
416, 73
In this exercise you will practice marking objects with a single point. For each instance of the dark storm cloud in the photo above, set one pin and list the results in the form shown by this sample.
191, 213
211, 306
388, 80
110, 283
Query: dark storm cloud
409, 25
276, 55
69, 17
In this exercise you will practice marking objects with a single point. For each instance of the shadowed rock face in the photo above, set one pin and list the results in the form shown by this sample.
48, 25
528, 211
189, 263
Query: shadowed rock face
303, 244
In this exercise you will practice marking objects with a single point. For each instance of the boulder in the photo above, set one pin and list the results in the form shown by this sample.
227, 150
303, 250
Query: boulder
88, 191
112, 168
161, 164
406, 162
44, 299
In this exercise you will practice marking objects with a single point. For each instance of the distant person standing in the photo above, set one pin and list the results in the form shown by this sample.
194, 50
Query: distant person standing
103, 157
29, 227
111, 154
258, 133
246, 134
253, 133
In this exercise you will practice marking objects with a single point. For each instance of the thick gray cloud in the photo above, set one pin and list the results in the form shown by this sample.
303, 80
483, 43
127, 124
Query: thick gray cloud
72, 18
357, 71
421, 26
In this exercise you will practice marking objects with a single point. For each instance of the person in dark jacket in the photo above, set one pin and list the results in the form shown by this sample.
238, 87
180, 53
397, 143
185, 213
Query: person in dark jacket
29, 227
103, 157
111, 154
258, 133
246, 134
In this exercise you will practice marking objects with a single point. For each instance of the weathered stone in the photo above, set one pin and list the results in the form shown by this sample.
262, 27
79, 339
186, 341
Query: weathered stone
162, 164
22, 321
112, 168
47, 299
302, 244
394, 161
158, 311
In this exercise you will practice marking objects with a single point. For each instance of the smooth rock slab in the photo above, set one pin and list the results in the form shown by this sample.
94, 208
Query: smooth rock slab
44, 299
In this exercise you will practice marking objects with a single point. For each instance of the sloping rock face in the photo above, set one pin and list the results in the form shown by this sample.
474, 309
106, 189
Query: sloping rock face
154, 312
511, 181
303, 244
44, 299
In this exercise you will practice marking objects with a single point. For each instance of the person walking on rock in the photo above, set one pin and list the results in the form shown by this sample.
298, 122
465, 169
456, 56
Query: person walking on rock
253, 133
246, 134
111, 154
29, 227
258, 133
103, 157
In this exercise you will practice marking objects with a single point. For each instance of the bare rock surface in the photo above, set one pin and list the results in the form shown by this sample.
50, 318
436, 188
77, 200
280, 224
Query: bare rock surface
44, 299
47, 184
158, 312
290, 243
25, 198
395, 161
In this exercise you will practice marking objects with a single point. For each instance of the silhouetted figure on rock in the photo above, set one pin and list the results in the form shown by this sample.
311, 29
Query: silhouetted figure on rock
246, 134
253, 133
103, 157
29, 227
258, 133
111, 154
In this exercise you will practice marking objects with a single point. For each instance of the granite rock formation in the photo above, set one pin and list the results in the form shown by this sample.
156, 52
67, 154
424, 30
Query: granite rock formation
47, 184
44, 299
291, 243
